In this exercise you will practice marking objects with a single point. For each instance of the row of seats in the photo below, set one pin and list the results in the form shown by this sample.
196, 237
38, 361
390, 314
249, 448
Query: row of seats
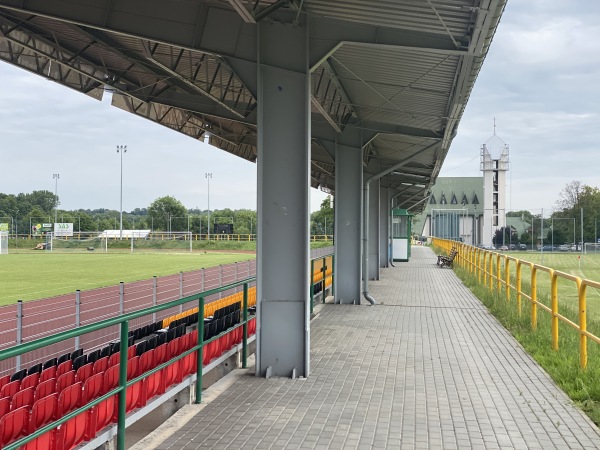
58, 390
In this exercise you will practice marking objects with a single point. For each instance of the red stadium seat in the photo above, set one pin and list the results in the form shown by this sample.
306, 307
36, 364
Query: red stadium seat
23, 398
132, 367
92, 387
131, 352
111, 379
150, 388
65, 380
46, 388
10, 389
84, 372
170, 375
114, 359
63, 368
187, 365
43, 412
160, 354
104, 413
30, 381
4, 406
48, 373
68, 399
4, 380
73, 432
101, 365
46, 441
132, 397
146, 362
13, 425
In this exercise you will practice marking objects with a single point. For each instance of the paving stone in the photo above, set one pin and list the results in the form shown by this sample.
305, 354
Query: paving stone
427, 368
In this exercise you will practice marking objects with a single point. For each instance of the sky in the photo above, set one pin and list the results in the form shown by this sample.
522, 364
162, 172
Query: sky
539, 81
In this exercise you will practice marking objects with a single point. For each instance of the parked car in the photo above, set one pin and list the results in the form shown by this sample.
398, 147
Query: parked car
548, 248
512, 247
503, 247
522, 247
563, 248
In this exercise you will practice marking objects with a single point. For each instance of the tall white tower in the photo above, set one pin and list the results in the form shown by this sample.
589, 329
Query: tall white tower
494, 165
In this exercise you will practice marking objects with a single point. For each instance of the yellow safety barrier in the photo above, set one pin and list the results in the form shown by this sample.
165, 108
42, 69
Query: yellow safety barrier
487, 267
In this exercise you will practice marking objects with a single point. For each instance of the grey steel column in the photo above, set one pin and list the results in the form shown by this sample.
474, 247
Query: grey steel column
374, 231
384, 224
348, 201
283, 327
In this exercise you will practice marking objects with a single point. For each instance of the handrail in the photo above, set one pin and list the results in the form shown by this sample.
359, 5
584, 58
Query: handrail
123, 321
486, 265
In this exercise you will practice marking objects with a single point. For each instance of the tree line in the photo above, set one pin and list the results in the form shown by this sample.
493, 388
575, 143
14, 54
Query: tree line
563, 225
25, 210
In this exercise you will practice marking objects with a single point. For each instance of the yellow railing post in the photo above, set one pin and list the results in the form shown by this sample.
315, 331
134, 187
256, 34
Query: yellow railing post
485, 269
519, 286
533, 297
498, 278
507, 277
581, 288
554, 306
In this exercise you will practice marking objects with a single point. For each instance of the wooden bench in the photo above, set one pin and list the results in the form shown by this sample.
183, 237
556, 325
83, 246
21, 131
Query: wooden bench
447, 260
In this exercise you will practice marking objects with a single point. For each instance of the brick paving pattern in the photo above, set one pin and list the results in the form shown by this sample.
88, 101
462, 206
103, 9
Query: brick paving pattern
428, 368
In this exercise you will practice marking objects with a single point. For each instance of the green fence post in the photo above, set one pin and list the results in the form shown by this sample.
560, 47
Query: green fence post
245, 338
312, 286
122, 385
200, 350
324, 276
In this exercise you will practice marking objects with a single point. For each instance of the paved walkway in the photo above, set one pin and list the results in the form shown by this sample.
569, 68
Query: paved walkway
429, 368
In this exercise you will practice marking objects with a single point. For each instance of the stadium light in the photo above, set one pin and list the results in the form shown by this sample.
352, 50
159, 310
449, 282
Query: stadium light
208, 176
56, 176
121, 149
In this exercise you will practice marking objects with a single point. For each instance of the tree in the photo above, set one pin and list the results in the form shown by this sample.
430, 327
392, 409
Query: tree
570, 196
168, 214
322, 221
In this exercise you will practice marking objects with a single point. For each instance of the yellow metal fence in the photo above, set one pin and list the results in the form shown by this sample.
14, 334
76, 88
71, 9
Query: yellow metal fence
498, 272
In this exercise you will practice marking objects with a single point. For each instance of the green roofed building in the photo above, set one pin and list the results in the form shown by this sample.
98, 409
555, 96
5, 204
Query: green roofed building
454, 210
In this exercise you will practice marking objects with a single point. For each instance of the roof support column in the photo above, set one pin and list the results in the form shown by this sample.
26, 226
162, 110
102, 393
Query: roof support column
283, 326
384, 226
348, 206
373, 213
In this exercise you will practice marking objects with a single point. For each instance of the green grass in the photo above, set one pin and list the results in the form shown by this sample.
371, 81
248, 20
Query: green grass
567, 290
582, 386
44, 274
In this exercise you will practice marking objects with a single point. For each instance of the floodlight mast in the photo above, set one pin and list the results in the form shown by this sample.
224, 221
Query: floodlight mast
208, 176
121, 149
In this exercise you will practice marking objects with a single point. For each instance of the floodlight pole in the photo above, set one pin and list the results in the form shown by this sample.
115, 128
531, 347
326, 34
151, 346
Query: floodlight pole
56, 176
121, 149
208, 176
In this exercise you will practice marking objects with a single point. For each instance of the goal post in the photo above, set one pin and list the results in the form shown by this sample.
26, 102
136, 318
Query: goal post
591, 247
3, 242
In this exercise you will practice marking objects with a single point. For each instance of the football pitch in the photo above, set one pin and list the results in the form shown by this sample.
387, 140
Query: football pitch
39, 275
586, 266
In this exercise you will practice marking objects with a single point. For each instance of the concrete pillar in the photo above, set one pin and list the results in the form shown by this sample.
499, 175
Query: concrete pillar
384, 223
348, 201
374, 230
283, 326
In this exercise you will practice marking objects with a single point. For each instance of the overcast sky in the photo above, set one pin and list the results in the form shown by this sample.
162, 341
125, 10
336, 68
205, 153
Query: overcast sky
539, 80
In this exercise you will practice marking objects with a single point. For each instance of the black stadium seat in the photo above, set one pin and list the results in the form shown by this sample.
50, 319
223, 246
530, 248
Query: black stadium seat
76, 354
18, 376
36, 369
63, 358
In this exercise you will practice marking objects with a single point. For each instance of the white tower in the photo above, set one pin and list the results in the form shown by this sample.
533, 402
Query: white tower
494, 165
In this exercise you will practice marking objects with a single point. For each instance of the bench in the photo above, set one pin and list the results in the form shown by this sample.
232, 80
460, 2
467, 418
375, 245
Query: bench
447, 260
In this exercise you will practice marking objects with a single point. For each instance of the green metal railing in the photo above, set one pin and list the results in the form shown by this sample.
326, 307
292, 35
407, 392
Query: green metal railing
123, 322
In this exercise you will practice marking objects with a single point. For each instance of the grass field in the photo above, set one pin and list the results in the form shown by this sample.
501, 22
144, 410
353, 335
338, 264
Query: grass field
567, 290
44, 274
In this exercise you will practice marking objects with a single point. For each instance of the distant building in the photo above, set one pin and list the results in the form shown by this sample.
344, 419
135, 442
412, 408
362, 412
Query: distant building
471, 209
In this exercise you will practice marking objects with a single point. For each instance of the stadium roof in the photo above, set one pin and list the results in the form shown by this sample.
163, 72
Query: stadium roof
390, 76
